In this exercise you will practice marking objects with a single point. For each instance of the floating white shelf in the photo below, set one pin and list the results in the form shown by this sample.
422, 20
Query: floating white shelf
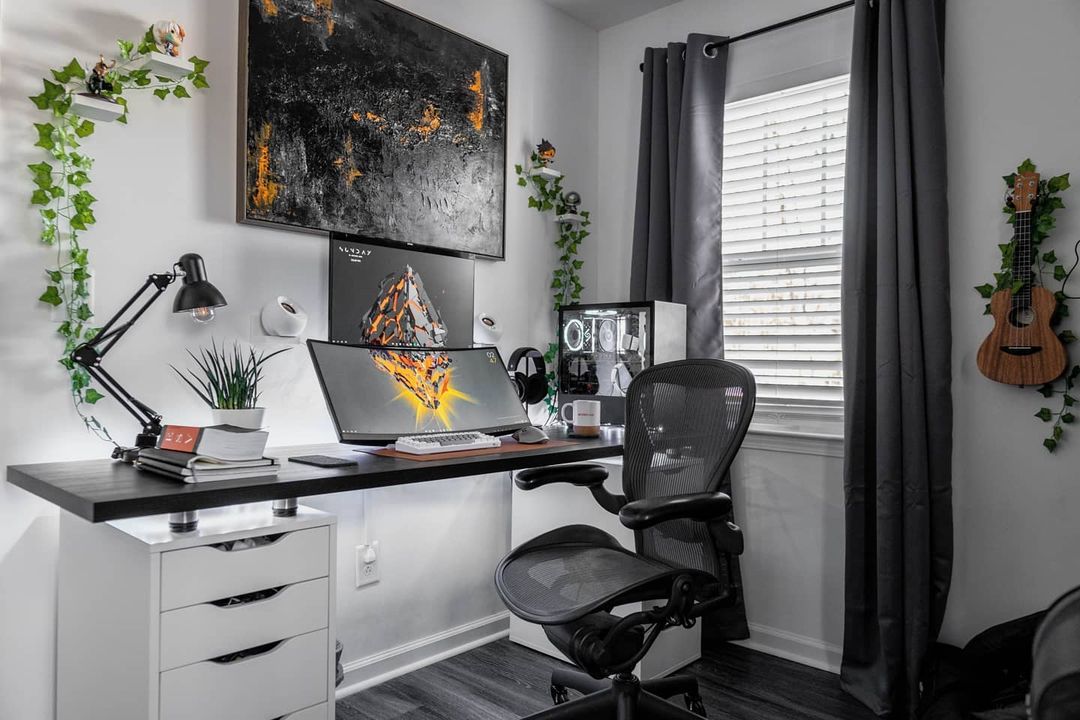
97, 108
167, 66
546, 173
569, 218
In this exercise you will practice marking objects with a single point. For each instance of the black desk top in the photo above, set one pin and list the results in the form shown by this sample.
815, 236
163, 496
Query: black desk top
101, 490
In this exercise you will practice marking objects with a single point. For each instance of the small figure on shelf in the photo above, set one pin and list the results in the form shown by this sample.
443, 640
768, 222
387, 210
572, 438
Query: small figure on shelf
545, 153
96, 82
571, 202
169, 36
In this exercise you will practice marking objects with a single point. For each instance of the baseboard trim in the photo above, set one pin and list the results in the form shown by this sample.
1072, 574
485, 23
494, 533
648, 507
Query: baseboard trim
372, 670
791, 646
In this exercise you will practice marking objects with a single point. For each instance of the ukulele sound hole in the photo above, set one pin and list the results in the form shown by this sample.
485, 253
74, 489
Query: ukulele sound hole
1021, 317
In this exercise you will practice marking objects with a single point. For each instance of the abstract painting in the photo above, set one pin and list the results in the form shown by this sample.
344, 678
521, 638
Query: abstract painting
361, 118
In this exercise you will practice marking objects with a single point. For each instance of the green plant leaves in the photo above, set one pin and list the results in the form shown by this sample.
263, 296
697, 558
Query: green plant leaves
45, 135
162, 93
51, 296
1026, 166
181, 92
199, 63
92, 396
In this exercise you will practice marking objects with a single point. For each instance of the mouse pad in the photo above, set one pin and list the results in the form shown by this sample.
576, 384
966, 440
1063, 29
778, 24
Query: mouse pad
508, 445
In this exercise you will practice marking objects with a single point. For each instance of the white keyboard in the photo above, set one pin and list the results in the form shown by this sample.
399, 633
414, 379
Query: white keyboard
445, 442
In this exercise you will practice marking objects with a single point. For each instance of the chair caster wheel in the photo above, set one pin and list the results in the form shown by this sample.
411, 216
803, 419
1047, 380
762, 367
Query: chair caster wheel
560, 694
694, 704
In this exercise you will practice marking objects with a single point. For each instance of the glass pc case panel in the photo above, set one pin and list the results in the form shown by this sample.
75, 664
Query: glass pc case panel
603, 346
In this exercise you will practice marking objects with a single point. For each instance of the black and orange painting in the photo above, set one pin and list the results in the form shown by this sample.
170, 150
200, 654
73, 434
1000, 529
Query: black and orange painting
362, 118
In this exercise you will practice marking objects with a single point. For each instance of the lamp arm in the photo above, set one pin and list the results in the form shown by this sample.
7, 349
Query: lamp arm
89, 354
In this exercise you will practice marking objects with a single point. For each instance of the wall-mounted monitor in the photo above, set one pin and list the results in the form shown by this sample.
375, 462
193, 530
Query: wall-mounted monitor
390, 296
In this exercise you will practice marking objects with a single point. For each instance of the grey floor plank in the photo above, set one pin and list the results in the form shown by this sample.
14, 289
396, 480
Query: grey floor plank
503, 681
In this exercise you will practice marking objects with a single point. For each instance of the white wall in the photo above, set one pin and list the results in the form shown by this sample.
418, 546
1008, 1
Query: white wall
1011, 93
788, 495
166, 186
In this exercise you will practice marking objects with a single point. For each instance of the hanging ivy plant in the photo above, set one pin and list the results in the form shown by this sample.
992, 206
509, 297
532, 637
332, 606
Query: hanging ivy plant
1051, 273
64, 203
547, 196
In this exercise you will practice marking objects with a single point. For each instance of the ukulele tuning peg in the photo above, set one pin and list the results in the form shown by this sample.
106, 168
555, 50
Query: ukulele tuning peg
1009, 198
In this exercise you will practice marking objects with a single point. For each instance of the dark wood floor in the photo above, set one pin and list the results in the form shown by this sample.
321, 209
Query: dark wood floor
502, 681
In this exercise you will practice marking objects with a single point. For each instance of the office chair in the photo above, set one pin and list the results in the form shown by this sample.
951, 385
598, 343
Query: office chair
685, 421
1055, 672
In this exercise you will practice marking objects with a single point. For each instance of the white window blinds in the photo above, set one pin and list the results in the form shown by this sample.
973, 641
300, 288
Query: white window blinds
783, 204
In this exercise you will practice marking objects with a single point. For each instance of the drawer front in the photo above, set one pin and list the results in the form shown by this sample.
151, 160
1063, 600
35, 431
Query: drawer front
207, 573
290, 677
319, 712
201, 632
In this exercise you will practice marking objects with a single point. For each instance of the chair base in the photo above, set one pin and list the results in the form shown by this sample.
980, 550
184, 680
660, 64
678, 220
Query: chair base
621, 698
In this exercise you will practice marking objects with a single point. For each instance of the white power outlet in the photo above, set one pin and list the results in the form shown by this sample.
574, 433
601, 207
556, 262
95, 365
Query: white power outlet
367, 564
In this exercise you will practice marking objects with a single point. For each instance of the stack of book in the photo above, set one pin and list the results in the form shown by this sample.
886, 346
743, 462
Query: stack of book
218, 452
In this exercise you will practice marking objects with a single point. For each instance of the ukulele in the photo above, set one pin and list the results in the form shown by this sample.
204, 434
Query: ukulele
1022, 349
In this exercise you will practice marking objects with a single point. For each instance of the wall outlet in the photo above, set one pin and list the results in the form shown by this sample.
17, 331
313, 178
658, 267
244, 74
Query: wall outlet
367, 564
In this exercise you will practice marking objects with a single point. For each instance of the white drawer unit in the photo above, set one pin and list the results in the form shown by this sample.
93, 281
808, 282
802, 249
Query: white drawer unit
234, 621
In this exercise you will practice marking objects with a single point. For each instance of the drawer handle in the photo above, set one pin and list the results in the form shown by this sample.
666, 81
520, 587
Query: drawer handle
248, 543
248, 598
249, 654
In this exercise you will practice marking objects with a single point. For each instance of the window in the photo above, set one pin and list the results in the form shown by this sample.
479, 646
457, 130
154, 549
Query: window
783, 204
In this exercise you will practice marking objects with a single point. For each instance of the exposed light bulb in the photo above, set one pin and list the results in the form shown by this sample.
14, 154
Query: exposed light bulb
202, 314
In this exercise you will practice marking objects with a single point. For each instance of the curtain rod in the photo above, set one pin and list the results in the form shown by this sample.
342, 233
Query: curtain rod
711, 48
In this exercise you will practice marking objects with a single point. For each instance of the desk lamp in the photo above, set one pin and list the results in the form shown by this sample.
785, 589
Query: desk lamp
196, 295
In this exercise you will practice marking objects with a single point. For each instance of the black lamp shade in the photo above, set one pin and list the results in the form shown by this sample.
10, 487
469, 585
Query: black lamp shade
196, 291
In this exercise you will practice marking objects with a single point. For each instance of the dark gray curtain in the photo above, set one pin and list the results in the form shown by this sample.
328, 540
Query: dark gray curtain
897, 338
676, 252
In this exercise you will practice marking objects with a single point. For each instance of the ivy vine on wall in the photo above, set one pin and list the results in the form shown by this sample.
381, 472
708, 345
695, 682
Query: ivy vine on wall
64, 203
547, 196
1050, 273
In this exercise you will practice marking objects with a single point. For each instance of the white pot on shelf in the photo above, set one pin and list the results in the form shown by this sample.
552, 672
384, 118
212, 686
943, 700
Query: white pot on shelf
249, 418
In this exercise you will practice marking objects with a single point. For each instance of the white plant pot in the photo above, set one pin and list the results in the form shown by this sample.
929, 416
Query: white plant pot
250, 418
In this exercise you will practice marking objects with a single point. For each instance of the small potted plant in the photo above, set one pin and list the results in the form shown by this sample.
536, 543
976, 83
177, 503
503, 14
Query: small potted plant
228, 381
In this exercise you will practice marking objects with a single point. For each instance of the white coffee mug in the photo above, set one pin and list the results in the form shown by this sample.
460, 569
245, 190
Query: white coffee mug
585, 417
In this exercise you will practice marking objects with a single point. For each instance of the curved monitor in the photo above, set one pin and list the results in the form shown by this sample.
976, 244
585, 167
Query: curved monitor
376, 394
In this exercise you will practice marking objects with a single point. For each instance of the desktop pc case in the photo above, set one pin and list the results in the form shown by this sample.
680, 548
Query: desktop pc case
602, 346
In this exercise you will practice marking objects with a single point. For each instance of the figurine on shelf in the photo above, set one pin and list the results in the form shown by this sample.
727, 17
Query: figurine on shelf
571, 201
96, 82
169, 36
545, 153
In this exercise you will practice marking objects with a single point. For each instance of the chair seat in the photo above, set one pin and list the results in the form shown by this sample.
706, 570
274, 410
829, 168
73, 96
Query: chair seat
568, 573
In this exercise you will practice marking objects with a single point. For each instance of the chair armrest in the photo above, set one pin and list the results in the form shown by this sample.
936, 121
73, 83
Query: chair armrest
582, 475
642, 514
587, 475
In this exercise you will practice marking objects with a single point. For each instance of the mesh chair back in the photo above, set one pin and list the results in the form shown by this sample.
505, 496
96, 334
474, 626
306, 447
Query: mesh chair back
685, 421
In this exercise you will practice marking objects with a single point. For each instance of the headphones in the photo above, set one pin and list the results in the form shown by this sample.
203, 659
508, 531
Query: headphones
532, 386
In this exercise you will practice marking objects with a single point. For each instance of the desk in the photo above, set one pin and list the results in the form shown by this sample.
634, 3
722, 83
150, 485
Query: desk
141, 631
102, 490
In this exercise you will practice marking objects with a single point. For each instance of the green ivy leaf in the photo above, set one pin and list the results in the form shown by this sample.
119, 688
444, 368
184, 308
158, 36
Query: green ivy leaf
162, 93
92, 396
986, 290
521, 182
1067, 337
78, 178
1059, 183
41, 102
1047, 390
1044, 414
126, 48
1069, 400
51, 296
83, 312
1068, 418
181, 92
45, 135
1049, 257
1059, 272
84, 129
1050, 444
199, 63
40, 197
1026, 166
199, 81
1057, 432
